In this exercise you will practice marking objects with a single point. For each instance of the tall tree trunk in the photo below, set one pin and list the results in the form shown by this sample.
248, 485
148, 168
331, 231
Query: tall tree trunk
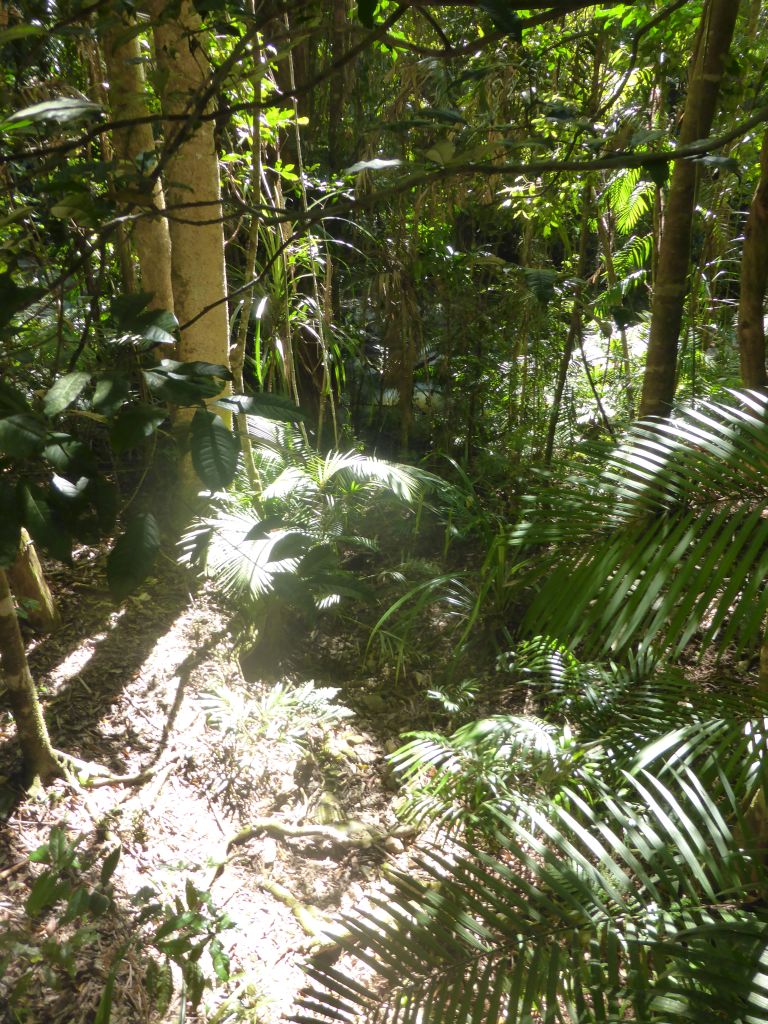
712, 45
193, 188
29, 585
135, 145
38, 756
575, 326
754, 282
193, 197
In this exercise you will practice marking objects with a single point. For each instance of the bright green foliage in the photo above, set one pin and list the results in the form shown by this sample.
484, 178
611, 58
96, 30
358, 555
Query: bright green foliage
289, 542
668, 540
183, 933
631, 888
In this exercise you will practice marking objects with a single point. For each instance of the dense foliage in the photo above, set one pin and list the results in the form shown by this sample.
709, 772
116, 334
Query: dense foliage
444, 322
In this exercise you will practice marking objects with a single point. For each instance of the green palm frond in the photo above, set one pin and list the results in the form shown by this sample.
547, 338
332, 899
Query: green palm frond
675, 540
608, 905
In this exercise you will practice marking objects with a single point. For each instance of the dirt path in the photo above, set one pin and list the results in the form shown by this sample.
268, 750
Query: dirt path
154, 690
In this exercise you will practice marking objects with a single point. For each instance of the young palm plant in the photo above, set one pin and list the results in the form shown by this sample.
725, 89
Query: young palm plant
633, 890
285, 547
631, 886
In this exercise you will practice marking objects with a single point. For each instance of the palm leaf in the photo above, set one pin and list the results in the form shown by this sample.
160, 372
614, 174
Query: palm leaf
613, 907
675, 540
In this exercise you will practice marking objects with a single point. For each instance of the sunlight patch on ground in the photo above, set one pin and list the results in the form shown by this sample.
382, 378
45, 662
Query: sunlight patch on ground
77, 659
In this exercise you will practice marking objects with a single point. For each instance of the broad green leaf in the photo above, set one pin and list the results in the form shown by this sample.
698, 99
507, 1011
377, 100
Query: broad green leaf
111, 392
196, 368
11, 399
265, 404
132, 557
45, 527
181, 388
79, 207
10, 35
64, 392
133, 424
69, 457
46, 890
21, 435
375, 164
214, 450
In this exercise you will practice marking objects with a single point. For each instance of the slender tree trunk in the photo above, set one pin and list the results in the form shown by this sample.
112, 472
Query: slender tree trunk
193, 189
135, 147
713, 42
28, 583
754, 282
574, 328
38, 756
193, 198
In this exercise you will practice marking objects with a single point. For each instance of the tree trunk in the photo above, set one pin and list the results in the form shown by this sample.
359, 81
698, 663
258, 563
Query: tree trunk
713, 42
28, 583
193, 189
754, 282
575, 326
38, 756
135, 146
193, 197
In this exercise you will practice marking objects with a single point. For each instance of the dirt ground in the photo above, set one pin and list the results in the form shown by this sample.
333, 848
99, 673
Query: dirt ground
153, 693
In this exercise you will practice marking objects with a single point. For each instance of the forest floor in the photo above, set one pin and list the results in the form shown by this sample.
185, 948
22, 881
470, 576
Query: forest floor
154, 693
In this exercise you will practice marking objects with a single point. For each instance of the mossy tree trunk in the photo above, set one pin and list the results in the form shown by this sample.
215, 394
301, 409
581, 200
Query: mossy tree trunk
38, 756
28, 583
673, 262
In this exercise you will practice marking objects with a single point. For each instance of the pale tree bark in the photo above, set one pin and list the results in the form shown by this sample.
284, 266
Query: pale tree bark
135, 145
38, 756
754, 283
193, 189
193, 198
28, 583
670, 286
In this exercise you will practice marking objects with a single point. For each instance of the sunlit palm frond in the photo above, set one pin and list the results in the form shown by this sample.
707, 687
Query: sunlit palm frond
682, 542
640, 905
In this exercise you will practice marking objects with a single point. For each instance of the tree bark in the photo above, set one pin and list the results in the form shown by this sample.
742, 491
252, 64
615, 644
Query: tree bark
754, 283
198, 273
28, 583
712, 45
193, 198
135, 146
38, 757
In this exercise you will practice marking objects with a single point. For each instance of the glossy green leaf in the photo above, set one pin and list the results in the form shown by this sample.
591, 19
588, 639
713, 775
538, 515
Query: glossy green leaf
21, 435
45, 527
180, 388
68, 456
133, 424
215, 450
265, 404
131, 559
65, 392
110, 393
63, 110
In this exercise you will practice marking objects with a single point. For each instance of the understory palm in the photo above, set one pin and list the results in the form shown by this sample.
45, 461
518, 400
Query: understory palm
605, 862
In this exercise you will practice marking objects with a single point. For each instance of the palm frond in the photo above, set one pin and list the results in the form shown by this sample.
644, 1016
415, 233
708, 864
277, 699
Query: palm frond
601, 907
683, 539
